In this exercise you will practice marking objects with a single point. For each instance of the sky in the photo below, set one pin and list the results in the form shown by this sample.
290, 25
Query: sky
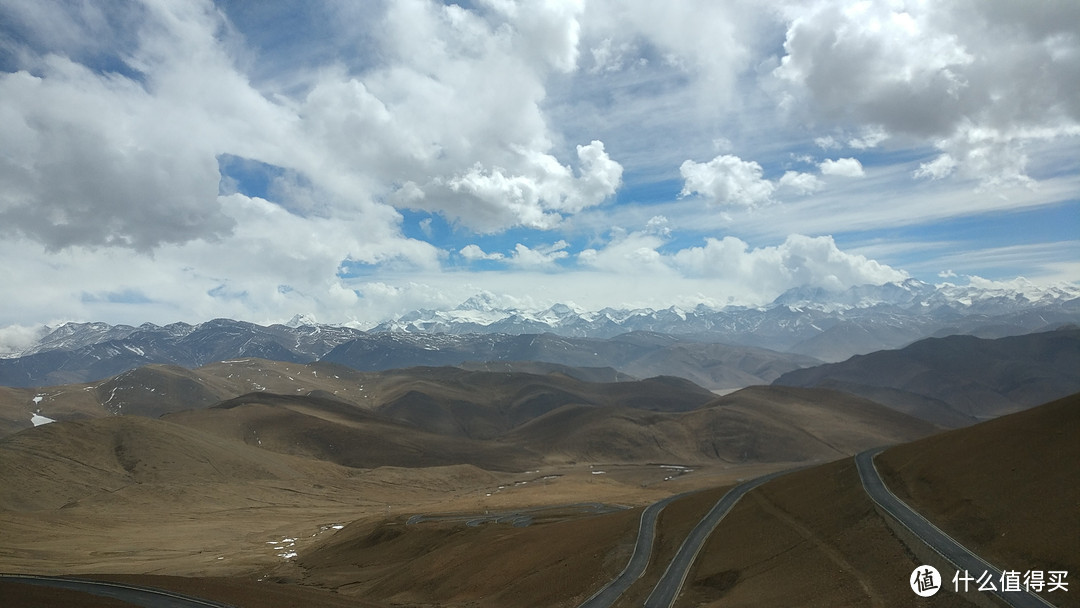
184, 160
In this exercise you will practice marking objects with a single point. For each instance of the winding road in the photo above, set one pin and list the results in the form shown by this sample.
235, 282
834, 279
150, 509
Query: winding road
639, 560
946, 546
671, 583
146, 597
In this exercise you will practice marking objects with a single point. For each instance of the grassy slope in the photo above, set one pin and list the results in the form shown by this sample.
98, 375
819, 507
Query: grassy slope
1007, 488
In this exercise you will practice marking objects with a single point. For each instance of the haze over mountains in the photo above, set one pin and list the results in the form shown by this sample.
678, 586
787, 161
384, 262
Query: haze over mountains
801, 327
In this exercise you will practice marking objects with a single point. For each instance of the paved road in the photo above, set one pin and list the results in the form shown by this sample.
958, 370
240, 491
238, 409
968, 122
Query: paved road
942, 543
671, 583
518, 519
132, 594
638, 561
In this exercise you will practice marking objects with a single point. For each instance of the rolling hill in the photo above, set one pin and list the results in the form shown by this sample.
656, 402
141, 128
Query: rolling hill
958, 380
1005, 488
57, 465
1008, 488
758, 424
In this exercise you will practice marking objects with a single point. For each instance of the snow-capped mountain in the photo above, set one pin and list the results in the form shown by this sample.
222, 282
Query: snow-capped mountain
826, 325
796, 315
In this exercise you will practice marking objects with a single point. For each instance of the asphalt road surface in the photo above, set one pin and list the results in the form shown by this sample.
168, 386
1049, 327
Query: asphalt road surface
139, 596
521, 518
671, 583
942, 543
638, 561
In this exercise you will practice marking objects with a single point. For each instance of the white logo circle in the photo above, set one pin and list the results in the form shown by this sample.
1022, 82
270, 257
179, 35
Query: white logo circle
925, 581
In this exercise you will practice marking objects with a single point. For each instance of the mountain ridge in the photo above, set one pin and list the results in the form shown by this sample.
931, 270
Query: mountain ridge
814, 323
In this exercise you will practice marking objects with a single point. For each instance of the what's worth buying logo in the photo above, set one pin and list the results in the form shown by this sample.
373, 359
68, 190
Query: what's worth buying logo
925, 581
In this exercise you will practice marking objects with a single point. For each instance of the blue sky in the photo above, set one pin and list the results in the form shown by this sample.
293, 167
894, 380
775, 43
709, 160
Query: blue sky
168, 160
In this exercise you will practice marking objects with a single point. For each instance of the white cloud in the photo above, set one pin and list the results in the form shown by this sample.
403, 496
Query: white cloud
540, 257
844, 167
16, 338
827, 142
492, 200
872, 136
629, 254
801, 183
975, 79
473, 252
941, 167
113, 117
658, 225
799, 260
727, 180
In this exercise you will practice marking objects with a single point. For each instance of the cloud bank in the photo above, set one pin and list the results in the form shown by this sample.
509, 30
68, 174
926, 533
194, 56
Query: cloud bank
167, 160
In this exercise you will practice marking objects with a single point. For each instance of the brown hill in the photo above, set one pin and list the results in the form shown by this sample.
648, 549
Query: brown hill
586, 374
958, 380
550, 563
57, 465
1008, 488
444, 400
721, 366
483, 405
809, 538
760, 424
757, 424
67, 402
329, 429
154, 390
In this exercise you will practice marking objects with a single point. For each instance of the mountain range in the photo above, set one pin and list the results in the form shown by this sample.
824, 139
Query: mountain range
799, 329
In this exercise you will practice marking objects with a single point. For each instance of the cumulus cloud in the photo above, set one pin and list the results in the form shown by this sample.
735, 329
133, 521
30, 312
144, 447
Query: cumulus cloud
659, 226
799, 260
802, 183
93, 159
631, 254
130, 126
492, 200
473, 252
844, 167
129, 158
975, 79
728, 181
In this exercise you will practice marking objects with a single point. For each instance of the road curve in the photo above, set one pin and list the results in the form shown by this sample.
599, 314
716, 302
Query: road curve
147, 597
671, 583
607, 595
955, 553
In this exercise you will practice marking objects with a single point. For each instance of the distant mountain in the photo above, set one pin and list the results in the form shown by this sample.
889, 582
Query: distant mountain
828, 325
807, 324
639, 354
92, 351
83, 352
958, 380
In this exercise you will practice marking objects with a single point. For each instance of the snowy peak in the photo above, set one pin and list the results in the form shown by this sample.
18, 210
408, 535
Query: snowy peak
826, 324
484, 301
913, 294
302, 320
